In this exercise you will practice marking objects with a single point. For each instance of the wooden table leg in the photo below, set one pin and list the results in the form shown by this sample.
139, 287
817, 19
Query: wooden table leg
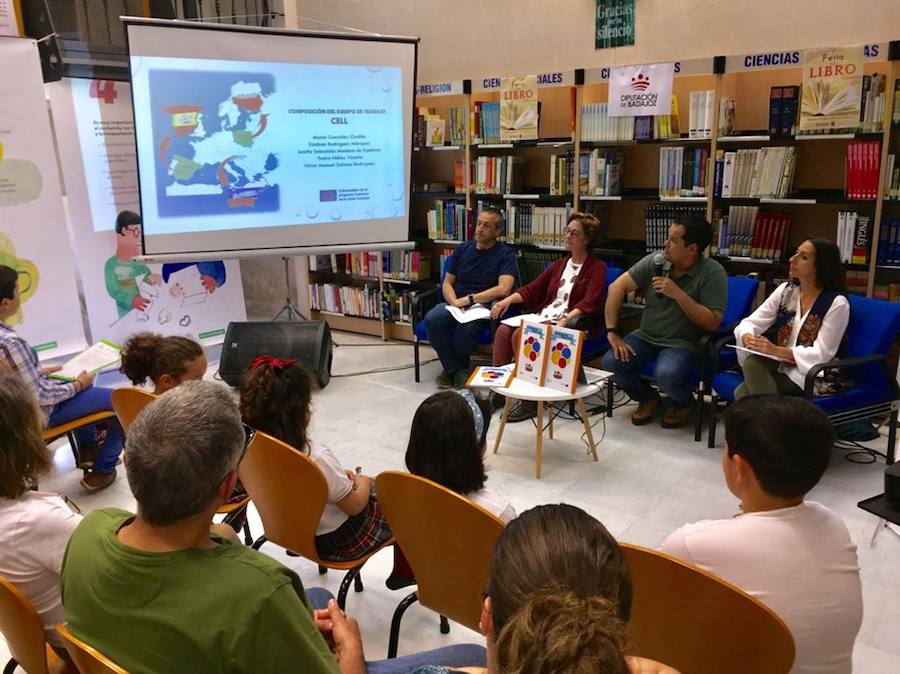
582, 410
540, 433
503, 416
550, 413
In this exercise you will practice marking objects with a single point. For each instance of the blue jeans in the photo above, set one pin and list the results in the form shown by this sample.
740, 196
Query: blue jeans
91, 401
458, 655
454, 342
673, 373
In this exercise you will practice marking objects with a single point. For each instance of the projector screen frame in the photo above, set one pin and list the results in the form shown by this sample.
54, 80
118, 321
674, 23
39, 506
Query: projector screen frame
313, 248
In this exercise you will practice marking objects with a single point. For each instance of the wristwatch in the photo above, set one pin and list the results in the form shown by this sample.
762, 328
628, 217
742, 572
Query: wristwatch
471, 300
614, 329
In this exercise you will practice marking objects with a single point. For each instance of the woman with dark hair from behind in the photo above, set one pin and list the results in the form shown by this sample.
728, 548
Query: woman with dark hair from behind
34, 526
558, 599
802, 324
276, 398
166, 361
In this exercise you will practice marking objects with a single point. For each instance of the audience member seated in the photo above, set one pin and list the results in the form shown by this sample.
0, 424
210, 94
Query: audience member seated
276, 398
802, 322
558, 599
478, 272
570, 293
795, 556
34, 526
62, 401
165, 361
685, 294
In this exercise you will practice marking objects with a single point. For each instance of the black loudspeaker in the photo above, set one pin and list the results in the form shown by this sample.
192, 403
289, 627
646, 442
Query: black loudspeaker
309, 342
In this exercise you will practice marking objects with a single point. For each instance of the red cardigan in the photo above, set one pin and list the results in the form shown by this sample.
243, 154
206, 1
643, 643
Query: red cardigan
588, 293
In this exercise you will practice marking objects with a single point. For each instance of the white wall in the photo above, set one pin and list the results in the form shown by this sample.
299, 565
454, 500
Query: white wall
471, 38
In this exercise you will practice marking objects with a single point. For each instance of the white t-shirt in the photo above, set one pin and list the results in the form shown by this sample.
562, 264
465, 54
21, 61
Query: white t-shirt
798, 561
339, 485
494, 503
558, 307
34, 532
823, 349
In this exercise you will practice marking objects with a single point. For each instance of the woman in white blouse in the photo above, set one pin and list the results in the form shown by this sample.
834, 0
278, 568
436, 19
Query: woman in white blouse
801, 324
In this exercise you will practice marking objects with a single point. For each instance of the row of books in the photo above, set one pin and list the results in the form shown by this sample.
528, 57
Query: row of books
783, 109
448, 221
536, 225
682, 171
485, 122
396, 304
531, 263
895, 118
871, 112
854, 233
858, 283
889, 292
658, 218
745, 231
700, 113
889, 242
562, 173
496, 175
348, 300
429, 129
407, 265
598, 127
358, 264
892, 176
863, 168
766, 172
600, 173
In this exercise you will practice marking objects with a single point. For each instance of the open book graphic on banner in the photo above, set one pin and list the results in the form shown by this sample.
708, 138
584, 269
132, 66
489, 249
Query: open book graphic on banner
531, 358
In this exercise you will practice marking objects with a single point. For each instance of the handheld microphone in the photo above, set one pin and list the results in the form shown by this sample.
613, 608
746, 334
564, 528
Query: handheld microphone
659, 261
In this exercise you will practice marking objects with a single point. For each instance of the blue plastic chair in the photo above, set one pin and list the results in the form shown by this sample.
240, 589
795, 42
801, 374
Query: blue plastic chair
741, 292
872, 329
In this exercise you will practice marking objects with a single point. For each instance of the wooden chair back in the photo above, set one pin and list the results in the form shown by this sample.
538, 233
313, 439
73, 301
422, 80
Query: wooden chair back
22, 628
447, 539
289, 492
696, 622
87, 658
128, 403
53, 432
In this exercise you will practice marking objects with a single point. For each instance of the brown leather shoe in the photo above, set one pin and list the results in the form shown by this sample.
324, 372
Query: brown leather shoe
646, 410
96, 481
676, 417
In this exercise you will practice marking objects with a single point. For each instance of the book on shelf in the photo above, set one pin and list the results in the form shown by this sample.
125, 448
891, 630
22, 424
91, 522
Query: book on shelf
458, 117
485, 122
892, 178
871, 114
889, 242
766, 172
600, 173
863, 169
854, 237
726, 116
536, 225
598, 127
448, 221
406, 265
783, 103
562, 173
682, 171
658, 217
435, 129
496, 175
895, 117
700, 113
746, 231
348, 300
396, 304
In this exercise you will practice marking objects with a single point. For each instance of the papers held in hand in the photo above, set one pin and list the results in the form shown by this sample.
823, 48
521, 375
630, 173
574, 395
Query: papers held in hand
97, 357
476, 312
744, 349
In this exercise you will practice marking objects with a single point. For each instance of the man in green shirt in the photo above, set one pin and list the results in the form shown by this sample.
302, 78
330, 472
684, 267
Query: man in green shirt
156, 592
685, 294
121, 271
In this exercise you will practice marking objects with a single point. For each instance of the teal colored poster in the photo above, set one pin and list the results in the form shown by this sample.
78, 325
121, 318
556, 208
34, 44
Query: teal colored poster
615, 23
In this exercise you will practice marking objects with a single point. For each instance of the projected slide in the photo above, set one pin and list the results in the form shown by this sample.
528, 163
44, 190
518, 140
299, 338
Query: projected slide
250, 144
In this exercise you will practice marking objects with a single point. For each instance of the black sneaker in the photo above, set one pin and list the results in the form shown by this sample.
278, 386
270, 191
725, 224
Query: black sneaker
444, 380
522, 410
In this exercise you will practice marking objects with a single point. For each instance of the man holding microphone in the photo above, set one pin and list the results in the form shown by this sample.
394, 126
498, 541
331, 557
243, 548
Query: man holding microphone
685, 295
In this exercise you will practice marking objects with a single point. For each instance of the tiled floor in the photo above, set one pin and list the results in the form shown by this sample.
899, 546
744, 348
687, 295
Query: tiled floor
647, 482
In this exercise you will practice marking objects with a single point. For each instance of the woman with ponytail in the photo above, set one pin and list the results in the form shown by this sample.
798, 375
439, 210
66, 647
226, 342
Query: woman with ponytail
558, 599
165, 361
275, 399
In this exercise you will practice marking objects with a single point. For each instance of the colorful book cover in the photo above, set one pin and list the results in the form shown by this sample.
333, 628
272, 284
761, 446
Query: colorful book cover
518, 108
832, 85
564, 358
531, 358
492, 377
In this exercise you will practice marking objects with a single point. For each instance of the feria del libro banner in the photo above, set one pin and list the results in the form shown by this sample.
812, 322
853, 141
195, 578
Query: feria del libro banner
33, 238
95, 132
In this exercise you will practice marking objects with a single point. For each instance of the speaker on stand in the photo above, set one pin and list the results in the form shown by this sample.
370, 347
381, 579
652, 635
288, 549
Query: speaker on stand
308, 342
